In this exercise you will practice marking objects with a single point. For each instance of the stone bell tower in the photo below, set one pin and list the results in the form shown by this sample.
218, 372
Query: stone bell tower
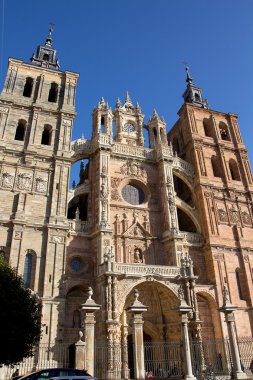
211, 141
37, 110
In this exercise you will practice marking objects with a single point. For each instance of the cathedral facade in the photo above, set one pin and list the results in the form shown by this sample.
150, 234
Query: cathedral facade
172, 217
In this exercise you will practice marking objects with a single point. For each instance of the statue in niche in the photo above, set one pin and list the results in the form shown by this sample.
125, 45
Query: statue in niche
138, 257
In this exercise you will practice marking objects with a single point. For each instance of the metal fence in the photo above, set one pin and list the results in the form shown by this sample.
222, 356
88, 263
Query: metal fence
162, 359
43, 357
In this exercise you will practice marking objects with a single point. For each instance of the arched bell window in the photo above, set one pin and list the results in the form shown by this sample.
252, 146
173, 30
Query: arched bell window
53, 92
20, 130
234, 171
46, 135
28, 87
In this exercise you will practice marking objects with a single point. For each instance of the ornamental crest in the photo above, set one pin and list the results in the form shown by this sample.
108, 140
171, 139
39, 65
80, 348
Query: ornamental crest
41, 185
132, 168
246, 217
222, 215
24, 181
234, 215
8, 179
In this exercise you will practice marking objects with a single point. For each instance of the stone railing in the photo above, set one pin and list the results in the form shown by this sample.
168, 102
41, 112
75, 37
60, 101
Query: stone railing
81, 146
79, 226
183, 166
141, 269
80, 189
134, 151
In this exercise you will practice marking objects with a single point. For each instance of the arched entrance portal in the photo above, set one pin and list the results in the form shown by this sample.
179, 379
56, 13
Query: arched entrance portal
161, 330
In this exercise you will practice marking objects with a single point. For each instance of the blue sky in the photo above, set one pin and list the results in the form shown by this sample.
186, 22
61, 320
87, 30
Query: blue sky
140, 46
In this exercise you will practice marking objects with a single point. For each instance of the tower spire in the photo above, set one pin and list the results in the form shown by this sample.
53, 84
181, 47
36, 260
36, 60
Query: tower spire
193, 94
49, 36
45, 55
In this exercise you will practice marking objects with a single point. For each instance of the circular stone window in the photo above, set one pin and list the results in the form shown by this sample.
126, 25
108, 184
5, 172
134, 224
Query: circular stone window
133, 194
76, 265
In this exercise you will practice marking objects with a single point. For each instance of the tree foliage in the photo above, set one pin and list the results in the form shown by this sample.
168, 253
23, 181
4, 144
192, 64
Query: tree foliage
19, 317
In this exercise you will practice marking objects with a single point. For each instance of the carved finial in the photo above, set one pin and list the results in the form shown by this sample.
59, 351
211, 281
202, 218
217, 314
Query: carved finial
188, 76
136, 295
128, 99
155, 115
80, 335
90, 292
118, 104
138, 107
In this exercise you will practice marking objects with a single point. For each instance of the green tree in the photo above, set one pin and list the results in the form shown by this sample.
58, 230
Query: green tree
20, 328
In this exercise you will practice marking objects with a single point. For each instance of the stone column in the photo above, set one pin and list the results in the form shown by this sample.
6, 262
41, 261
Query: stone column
89, 308
137, 309
80, 353
183, 310
228, 309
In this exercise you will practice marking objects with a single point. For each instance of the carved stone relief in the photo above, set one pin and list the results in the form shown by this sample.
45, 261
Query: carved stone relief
246, 218
41, 185
223, 217
132, 168
24, 181
57, 239
8, 180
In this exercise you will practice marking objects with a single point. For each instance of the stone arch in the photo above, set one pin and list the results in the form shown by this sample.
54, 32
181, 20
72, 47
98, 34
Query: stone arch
209, 315
224, 131
183, 190
160, 321
186, 220
75, 296
234, 171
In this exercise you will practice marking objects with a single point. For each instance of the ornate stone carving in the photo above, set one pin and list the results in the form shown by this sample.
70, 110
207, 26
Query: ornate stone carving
41, 185
8, 180
218, 256
223, 216
18, 234
132, 168
24, 181
234, 215
67, 122
246, 218
57, 239
4, 109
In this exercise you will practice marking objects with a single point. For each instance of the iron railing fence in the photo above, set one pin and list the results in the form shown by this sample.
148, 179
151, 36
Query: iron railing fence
44, 356
163, 359
211, 358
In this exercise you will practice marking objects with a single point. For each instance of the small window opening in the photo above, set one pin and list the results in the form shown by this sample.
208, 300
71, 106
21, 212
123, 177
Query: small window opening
46, 57
235, 175
28, 87
217, 170
20, 131
208, 128
197, 97
53, 92
46, 135
102, 124
224, 131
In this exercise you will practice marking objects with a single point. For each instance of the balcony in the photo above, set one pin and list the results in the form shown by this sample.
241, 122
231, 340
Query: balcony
140, 270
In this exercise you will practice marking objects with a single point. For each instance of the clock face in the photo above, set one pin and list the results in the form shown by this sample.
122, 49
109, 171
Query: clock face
129, 128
